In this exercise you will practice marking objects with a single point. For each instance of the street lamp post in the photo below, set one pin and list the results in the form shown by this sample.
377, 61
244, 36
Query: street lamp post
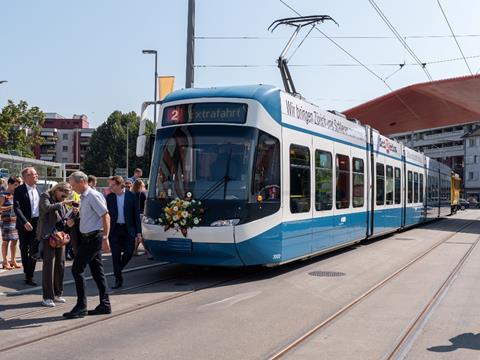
155, 89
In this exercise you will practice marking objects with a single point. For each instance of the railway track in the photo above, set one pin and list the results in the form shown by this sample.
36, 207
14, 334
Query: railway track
399, 349
90, 321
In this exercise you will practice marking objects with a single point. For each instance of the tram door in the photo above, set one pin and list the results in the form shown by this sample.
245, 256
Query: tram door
343, 219
323, 185
298, 206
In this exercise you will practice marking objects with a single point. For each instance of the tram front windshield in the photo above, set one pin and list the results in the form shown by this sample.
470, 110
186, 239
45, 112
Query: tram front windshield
211, 162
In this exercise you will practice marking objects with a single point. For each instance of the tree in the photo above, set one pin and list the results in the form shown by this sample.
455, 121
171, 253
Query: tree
20, 128
107, 146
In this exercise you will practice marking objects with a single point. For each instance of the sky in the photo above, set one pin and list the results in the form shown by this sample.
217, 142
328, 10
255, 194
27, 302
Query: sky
85, 57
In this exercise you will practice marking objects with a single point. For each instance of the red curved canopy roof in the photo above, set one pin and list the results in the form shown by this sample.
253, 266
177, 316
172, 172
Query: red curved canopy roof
423, 106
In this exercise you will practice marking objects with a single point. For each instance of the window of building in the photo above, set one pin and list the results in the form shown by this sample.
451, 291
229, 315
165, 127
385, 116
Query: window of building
380, 184
471, 175
410, 187
398, 186
299, 179
471, 142
65, 136
421, 188
389, 186
415, 187
475, 159
65, 148
358, 183
323, 180
342, 188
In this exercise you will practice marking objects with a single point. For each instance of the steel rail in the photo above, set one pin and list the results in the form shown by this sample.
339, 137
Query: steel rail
299, 340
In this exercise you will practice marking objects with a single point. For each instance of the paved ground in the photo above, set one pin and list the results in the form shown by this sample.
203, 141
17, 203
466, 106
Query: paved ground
185, 312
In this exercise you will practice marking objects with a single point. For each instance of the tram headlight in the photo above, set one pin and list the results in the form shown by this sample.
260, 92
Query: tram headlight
148, 220
229, 222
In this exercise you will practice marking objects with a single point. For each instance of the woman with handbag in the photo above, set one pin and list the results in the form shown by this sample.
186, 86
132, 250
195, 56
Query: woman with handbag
52, 237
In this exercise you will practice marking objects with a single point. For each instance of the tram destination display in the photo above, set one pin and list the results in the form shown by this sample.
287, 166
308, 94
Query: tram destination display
235, 113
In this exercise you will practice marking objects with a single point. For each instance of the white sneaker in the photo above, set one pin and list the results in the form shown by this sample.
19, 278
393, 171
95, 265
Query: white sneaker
48, 302
59, 299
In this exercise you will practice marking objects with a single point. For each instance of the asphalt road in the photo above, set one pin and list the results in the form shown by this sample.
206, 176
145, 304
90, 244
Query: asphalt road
186, 312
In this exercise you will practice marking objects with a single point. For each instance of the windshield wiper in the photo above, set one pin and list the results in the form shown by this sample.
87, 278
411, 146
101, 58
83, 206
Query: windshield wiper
223, 181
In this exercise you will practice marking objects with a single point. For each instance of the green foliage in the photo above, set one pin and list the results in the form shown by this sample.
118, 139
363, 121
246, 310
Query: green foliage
20, 128
107, 146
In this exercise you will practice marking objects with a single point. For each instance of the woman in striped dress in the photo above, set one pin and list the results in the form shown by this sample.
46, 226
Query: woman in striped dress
9, 231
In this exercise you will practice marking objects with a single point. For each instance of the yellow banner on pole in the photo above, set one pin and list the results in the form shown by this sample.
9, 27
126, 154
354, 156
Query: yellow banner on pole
165, 86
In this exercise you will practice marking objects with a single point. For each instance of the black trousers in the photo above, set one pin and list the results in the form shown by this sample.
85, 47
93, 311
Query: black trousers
89, 253
122, 246
28, 247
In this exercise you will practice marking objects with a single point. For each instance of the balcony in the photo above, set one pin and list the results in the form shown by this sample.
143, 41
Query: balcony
453, 135
47, 133
445, 151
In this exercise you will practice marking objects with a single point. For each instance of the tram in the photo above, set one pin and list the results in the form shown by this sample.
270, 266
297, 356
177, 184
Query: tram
275, 179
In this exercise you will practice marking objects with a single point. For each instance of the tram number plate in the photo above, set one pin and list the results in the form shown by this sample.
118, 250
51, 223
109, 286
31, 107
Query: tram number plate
182, 245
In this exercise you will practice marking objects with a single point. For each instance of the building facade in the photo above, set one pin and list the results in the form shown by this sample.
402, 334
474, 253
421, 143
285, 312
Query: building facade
65, 140
472, 166
445, 144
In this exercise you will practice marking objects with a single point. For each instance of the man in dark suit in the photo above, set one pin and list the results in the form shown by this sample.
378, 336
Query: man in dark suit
26, 206
124, 226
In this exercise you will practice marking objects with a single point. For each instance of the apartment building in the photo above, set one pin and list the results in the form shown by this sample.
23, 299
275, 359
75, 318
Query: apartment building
65, 139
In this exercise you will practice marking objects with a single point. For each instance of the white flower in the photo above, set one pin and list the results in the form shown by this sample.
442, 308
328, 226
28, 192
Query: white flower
160, 221
189, 194
175, 208
196, 221
185, 214
175, 218
186, 204
193, 201
183, 223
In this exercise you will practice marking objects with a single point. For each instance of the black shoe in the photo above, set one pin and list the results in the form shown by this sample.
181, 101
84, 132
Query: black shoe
75, 313
100, 310
30, 282
118, 284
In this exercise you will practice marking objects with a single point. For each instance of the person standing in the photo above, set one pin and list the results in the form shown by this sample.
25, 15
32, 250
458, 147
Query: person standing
52, 218
94, 229
26, 206
124, 226
139, 190
137, 174
92, 181
9, 231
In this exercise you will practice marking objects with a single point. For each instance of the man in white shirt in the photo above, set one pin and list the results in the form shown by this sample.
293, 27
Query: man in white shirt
94, 228
26, 206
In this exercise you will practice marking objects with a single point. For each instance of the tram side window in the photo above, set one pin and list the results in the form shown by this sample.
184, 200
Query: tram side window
380, 184
266, 176
323, 180
299, 179
398, 186
410, 187
342, 192
421, 188
358, 183
389, 186
415, 187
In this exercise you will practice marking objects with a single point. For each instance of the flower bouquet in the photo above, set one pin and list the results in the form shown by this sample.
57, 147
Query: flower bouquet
181, 215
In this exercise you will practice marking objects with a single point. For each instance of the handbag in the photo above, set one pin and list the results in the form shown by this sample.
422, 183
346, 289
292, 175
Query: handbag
58, 239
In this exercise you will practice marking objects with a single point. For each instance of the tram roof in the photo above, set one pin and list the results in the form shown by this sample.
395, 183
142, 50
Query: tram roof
267, 95
422, 106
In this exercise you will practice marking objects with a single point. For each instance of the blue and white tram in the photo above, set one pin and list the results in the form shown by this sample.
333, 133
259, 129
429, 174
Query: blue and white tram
280, 179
